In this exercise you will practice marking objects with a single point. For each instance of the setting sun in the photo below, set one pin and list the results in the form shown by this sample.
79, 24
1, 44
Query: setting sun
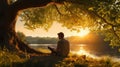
83, 32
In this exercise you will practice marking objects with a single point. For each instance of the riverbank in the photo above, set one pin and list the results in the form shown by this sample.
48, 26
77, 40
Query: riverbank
12, 59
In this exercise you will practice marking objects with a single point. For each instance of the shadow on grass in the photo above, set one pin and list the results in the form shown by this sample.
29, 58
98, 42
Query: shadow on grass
39, 61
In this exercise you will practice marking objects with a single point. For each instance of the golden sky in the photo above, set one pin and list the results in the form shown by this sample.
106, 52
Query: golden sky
52, 32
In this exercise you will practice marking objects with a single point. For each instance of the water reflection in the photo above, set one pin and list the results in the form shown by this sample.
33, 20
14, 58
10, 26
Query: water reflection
79, 49
42, 47
84, 49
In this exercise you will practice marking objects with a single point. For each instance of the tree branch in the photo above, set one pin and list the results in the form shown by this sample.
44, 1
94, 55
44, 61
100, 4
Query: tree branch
114, 32
113, 25
73, 14
102, 18
57, 9
24, 4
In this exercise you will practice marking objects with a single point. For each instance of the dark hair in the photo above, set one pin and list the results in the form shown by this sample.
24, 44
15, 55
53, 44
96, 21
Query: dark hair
61, 34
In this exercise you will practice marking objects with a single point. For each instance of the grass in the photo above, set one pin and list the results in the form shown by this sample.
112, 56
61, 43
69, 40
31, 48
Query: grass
12, 59
8, 59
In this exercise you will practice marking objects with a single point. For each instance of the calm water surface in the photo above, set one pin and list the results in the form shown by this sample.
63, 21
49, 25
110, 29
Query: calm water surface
77, 48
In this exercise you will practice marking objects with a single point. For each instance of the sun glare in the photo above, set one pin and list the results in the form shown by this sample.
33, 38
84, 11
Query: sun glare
83, 32
82, 51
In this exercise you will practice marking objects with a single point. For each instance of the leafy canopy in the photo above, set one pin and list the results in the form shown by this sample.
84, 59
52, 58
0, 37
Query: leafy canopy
102, 16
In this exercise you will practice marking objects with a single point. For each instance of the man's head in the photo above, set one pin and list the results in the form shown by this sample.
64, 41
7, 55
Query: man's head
61, 35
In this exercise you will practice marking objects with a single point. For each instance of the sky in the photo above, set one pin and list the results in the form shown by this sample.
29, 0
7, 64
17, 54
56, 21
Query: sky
52, 32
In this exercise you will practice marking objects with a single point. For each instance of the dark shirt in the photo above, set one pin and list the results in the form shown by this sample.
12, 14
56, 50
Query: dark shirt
63, 47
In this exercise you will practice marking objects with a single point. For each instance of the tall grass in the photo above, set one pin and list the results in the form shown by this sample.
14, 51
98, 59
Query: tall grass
83, 61
12, 59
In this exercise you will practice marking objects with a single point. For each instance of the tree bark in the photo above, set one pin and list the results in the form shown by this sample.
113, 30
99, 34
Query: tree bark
8, 36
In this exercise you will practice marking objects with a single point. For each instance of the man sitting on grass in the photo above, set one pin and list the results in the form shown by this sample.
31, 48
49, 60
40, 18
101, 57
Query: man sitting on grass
63, 46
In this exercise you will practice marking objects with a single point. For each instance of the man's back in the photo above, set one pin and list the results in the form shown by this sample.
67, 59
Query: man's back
63, 47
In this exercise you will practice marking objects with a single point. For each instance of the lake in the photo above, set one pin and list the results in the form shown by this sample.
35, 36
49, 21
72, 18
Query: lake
73, 48
79, 49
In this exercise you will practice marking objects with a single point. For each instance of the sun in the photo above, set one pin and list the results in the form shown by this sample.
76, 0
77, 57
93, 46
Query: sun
83, 32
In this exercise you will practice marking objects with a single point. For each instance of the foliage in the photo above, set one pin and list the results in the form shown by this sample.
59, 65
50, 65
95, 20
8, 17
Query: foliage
9, 59
108, 13
98, 15
39, 17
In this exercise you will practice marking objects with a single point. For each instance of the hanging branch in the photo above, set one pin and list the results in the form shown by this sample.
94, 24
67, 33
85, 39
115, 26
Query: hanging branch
70, 12
114, 32
57, 9
27, 16
113, 25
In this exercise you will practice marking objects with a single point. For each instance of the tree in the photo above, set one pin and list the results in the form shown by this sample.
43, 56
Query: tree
8, 15
102, 15
21, 36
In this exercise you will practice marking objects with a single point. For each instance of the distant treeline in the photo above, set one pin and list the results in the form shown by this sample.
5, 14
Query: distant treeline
90, 39
41, 40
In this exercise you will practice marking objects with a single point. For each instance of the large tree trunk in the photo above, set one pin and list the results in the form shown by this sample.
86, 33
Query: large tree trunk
8, 37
